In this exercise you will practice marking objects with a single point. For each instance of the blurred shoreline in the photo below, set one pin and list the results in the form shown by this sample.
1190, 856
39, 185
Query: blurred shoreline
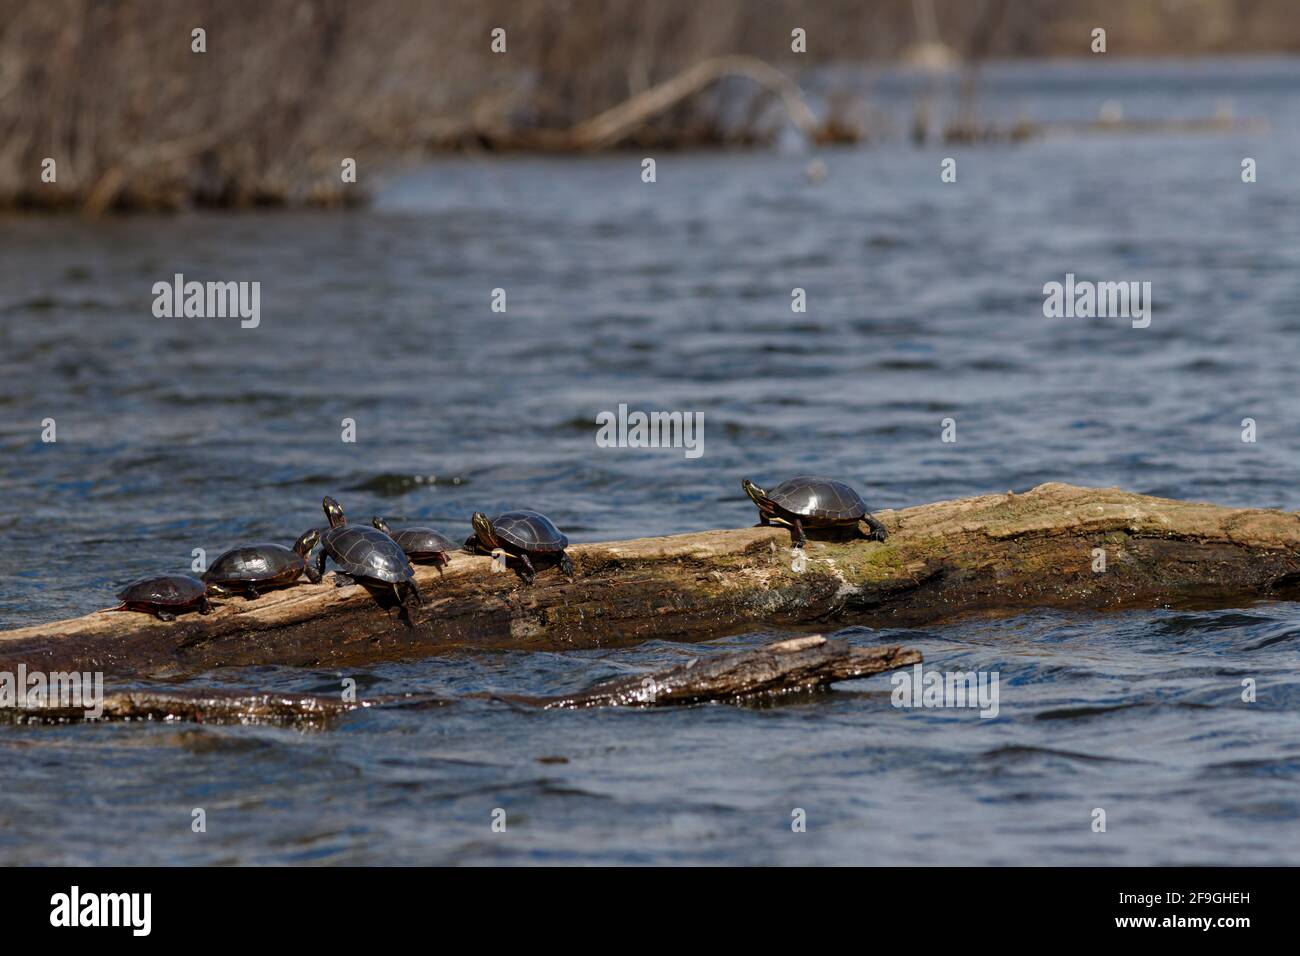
128, 106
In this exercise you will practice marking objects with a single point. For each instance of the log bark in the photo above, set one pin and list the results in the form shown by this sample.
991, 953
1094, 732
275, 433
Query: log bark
994, 553
785, 667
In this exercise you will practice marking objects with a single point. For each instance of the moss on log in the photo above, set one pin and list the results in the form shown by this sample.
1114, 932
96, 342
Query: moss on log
990, 553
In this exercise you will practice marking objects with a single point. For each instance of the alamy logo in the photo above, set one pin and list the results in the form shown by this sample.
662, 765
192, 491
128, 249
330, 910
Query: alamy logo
103, 909
651, 430
208, 300
37, 690
1102, 300
946, 689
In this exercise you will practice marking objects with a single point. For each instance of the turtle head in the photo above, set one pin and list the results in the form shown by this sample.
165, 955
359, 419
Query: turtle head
483, 528
333, 512
755, 493
381, 525
308, 541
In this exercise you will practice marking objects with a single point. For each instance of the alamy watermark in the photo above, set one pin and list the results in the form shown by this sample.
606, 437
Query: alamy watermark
1103, 300
208, 300
626, 429
974, 689
75, 908
63, 690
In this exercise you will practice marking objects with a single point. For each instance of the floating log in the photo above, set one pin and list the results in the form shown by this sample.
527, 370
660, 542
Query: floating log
994, 553
798, 665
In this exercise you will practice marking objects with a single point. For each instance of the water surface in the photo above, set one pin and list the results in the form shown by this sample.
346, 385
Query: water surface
925, 303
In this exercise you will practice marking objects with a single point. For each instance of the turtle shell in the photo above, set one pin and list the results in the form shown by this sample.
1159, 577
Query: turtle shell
811, 497
168, 590
423, 541
255, 564
366, 553
529, 531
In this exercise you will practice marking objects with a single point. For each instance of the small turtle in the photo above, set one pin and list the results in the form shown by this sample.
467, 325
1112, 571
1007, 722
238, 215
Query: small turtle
806, 501
365, 556
260, 567
165, 596
420, 544
530, 538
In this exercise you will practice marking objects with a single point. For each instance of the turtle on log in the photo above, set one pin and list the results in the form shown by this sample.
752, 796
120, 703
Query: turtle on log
807, 501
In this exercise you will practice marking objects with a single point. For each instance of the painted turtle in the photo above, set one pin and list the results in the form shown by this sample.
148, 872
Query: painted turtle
807, 501
165, 596
260, 567
365, 556
420, 544
530, 538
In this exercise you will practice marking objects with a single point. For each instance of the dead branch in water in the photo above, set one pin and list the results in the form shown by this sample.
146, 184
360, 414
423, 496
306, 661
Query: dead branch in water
618, 121
784, 667
801, 664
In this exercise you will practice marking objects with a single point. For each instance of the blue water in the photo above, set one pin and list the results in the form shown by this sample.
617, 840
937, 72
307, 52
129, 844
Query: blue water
925, 303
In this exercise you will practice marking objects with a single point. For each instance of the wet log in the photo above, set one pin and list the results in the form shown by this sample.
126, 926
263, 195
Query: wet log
993, 553
793, 666
785, 667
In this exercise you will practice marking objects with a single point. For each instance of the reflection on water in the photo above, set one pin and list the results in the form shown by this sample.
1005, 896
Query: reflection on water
924, 302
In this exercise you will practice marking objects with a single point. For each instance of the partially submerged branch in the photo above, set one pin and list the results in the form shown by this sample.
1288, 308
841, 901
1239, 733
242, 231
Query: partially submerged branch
784, 667
801, 664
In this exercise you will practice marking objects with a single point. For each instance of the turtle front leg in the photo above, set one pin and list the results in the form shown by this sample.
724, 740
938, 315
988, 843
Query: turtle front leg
408, 593
251, 593
164, 615
566, 565
440, 561
318, 568
797, 538
877, 532
526, 569
205, 606
342, 580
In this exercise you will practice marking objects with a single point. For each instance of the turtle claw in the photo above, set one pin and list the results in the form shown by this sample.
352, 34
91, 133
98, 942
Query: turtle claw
875, 530
342, 580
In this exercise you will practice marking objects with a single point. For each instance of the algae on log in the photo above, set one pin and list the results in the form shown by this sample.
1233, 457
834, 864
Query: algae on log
990, 553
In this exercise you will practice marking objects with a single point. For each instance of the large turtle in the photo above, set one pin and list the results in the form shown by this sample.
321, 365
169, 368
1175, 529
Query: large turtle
420, 544
165, 596
260, 567
365, 556
527, 536
807, 501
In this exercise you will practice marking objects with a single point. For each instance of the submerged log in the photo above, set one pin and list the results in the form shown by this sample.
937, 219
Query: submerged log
785, 667
994, 553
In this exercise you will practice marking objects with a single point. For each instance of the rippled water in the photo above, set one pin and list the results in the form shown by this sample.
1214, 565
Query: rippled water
924, 303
